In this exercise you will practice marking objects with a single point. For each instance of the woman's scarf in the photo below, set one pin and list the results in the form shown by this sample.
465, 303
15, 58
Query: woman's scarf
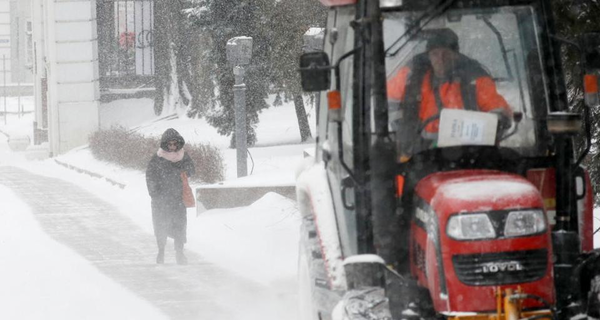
171, 156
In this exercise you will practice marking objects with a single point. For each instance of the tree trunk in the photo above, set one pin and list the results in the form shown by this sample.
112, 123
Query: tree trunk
162, 67
302, 118
171, 44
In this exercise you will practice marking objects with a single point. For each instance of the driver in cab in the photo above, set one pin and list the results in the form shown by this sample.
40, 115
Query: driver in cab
439, 78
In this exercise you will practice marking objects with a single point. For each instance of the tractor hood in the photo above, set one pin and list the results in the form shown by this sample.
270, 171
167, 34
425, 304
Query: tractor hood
477, 191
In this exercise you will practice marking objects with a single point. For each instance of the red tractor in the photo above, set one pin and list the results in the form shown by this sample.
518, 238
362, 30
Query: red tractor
446, 182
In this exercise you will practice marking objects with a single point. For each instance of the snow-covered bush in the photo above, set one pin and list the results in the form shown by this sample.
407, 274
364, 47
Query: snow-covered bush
133, 150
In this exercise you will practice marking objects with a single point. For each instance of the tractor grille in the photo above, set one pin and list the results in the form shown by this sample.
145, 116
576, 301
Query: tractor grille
501, 268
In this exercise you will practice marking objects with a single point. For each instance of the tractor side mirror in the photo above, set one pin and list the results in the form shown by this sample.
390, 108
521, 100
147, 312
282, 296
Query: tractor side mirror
564, 123
315, 71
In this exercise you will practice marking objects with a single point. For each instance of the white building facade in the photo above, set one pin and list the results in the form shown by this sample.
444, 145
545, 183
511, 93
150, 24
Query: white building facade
16, 45
87, 52
21, 24
66, 76
5, 40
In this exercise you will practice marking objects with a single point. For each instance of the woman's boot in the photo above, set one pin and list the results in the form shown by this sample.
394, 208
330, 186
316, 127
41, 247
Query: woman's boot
160, 257
180, 257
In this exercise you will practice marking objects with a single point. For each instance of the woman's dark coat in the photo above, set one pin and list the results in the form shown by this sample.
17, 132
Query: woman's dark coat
163, 179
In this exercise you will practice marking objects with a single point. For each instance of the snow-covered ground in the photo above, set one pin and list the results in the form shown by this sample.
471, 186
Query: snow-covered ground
43, 279
258, 242
17, 120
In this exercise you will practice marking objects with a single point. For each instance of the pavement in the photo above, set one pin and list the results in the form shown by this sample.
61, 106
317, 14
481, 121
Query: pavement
107, 238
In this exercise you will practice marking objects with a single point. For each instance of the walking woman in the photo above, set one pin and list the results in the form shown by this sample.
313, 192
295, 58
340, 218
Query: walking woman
163, 178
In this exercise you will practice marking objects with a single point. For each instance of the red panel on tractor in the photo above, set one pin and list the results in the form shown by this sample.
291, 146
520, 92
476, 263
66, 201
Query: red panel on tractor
335, 3
462, 265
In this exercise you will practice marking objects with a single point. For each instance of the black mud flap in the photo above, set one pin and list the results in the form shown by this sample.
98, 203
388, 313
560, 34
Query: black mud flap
407, 299
589, 275
593, 296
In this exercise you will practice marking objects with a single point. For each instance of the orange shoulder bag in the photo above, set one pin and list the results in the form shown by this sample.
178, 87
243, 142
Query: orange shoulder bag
188, 195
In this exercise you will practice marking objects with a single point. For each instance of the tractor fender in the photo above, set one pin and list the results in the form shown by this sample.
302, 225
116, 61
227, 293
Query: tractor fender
315, 203
588, 276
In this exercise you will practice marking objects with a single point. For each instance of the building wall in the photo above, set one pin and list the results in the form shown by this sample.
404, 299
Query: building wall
39, 72
14, 55
70, 69
5, 41
21, 53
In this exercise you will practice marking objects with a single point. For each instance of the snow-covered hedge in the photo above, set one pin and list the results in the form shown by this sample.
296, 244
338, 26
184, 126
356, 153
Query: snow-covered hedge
133, 150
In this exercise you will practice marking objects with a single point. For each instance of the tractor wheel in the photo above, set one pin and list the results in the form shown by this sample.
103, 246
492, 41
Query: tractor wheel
593, 305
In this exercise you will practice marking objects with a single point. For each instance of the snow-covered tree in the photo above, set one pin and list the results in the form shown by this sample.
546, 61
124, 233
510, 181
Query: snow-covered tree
276, 28
291, 19
573, 18
171, 57
219, 21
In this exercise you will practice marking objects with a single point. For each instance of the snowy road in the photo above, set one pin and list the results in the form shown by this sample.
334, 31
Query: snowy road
98, 232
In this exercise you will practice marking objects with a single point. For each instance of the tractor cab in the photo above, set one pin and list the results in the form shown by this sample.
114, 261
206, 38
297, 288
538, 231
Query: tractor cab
448, 152
496, 67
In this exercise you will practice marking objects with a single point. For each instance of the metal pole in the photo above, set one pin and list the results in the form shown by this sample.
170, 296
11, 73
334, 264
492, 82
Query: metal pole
239, 97
4, 76
18, 71
19, 109
19, 106
389, 243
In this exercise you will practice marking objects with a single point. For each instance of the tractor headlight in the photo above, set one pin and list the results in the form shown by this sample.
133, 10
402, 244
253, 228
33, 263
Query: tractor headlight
522, 223
471, 227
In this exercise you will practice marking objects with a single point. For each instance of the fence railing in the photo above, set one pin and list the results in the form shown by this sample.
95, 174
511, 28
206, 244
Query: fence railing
125, 42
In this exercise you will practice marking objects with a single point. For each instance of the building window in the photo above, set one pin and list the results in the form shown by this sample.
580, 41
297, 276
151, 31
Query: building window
125, 42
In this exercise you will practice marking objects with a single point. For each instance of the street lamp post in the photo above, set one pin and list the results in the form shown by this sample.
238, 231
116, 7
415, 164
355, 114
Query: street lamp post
239, 52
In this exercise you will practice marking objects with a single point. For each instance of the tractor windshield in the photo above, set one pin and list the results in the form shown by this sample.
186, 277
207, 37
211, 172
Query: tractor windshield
483, 65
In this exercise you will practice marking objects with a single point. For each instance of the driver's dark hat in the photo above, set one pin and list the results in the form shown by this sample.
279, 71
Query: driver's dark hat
442, 38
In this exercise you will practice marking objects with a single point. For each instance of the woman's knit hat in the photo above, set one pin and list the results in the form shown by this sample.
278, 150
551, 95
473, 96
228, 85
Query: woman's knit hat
171, 135
442, 38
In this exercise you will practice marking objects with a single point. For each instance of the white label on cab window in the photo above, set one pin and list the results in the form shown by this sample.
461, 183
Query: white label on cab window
461, 127
467, 130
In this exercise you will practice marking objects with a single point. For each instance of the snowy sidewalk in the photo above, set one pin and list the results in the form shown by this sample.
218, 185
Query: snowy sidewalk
97, 231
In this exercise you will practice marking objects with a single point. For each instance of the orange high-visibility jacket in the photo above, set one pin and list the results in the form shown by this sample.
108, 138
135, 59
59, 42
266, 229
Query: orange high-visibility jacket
486, 96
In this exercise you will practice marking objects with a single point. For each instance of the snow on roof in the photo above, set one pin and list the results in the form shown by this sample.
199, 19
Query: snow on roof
313, 191
482, 189
200, 7
233, 41
364, 258
315, 31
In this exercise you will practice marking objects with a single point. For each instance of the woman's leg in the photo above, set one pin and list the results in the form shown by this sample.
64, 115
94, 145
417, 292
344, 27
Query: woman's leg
179, 255
161, 235
161, 241
180, 236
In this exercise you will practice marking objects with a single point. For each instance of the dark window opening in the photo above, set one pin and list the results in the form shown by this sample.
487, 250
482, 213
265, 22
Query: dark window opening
126, 48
